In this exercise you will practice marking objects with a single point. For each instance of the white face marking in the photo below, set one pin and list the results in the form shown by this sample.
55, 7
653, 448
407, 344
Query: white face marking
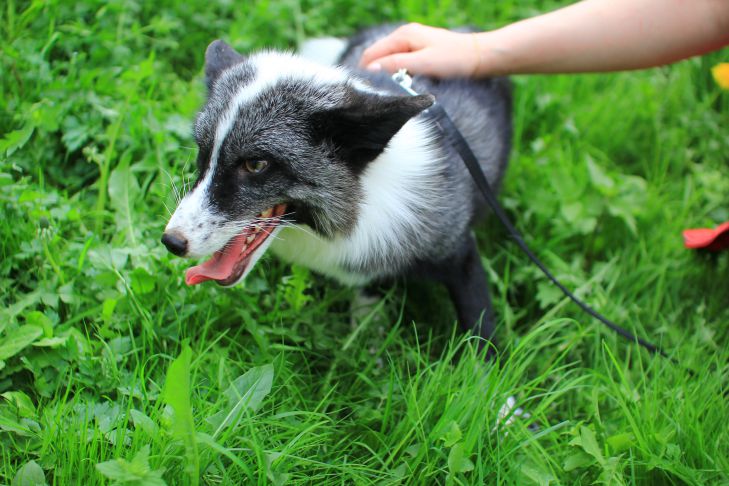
396, 187
194, 218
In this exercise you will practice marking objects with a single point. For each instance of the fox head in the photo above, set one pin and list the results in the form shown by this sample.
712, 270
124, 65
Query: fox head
280, 140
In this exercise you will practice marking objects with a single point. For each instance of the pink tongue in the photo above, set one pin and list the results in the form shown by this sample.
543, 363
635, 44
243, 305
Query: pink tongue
220, 266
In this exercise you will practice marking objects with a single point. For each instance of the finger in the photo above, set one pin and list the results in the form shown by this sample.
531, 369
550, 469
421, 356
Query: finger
386, 46
415, 62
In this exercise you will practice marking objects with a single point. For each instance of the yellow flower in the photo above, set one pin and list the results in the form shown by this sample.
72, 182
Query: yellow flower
721, 74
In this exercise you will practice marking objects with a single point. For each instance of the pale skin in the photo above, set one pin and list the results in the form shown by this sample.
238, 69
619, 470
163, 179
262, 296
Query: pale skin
589, 36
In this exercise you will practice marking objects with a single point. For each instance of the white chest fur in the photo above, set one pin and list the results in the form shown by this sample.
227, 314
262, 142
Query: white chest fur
328, 257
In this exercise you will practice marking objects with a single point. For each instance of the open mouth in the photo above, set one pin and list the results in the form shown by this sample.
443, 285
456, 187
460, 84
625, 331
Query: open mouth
232, 262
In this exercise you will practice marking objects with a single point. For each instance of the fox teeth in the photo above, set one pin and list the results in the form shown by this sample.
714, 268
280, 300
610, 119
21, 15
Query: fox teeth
267, 213
250, 239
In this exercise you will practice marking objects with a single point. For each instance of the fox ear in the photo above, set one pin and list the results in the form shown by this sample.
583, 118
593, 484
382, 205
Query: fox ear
362, 128
219, 56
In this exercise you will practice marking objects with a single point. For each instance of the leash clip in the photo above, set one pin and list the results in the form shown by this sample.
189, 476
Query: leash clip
405, 81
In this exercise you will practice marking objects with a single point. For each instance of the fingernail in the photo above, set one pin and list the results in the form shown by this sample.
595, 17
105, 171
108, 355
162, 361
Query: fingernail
374, 66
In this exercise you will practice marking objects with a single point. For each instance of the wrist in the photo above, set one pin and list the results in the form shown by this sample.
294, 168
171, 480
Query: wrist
493, 57
476, 56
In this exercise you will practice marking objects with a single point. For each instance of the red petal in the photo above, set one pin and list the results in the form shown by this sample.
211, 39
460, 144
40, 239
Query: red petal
712, 239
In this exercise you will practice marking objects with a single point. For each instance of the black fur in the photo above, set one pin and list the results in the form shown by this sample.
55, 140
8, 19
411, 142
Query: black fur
362, 129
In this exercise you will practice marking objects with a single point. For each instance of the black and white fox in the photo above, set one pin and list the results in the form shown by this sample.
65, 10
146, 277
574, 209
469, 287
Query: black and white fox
337, 169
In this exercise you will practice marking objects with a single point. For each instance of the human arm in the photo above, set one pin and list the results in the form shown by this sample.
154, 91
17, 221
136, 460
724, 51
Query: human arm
589, 36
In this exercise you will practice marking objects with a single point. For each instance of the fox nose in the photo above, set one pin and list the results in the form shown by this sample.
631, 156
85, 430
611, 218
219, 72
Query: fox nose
175, 243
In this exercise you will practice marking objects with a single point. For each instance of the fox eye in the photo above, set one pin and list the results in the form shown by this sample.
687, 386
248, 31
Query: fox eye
255, 166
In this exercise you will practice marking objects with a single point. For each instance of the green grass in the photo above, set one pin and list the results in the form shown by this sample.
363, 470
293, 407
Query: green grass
277, 386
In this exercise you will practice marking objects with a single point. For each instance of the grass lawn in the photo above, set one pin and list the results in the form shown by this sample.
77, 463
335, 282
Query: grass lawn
111, 369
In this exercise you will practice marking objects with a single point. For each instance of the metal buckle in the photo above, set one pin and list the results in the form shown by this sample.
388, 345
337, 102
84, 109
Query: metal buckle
405, 81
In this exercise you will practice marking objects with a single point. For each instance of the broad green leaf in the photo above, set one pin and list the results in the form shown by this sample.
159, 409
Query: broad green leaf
548, 294
457, 461
30, 195
626, 215
612, 472
578, 460
276, 477
401, 471
537, 474
107, 309
26, 300
107, 415
66, 293
53, 342
296, 285
143, 422
116, 470
108, 257
177, 395
123, 192
14, 341
5, 179
578, 216
74, 133
49, 296
30, 474
587, 441
620, 442
136, 472
15, 140
673, 452
664, 435
11, 424
22, 402
599, 177
413, 450
247, 392
452, 435
37, 318
142, 281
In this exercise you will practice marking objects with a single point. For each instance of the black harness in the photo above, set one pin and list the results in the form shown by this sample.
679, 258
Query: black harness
454, 137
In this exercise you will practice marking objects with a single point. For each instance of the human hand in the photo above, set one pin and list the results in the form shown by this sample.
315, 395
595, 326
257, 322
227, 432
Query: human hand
425, 50
587, 36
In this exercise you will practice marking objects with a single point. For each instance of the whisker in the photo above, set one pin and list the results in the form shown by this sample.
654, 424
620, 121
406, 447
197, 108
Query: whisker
169, 213
271, 235
300, 228
172, 185
267, 225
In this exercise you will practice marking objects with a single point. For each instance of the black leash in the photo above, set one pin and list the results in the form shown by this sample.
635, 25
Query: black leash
455, 138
